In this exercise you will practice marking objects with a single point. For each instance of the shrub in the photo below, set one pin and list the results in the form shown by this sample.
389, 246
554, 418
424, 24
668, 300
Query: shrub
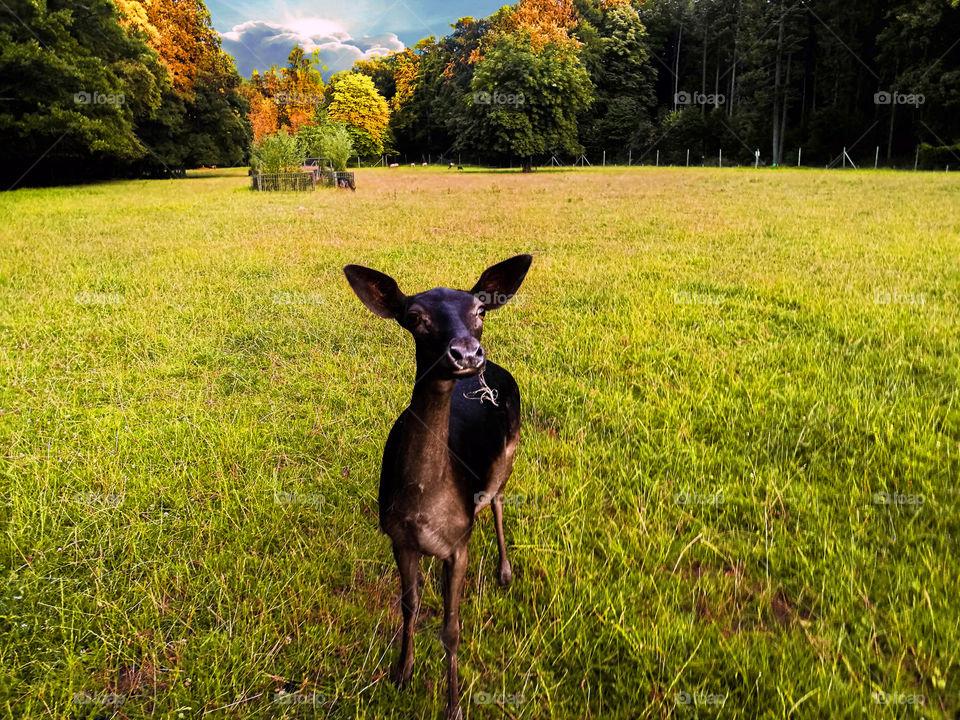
938, 156
279, 153
328, 140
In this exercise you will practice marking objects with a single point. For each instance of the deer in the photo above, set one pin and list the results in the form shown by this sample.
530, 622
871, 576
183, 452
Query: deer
451, 451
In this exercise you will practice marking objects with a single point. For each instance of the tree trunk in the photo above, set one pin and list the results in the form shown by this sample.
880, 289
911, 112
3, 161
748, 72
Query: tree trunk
776, 92
716, 86
733, 71
528, 165
783, 110
703, 71
676, 67
893, 110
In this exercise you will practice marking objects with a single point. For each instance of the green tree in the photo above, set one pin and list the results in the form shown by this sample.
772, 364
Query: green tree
74, 86
615, 55
525, 103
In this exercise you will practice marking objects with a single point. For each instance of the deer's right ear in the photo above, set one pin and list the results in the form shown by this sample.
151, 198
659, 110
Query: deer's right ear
377, 291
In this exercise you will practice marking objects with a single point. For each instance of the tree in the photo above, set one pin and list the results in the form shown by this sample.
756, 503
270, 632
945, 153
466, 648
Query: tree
75, 85
355, 102
544, 22
279, 153
615, 55
300, 91
525, 103
328, 140
203, 118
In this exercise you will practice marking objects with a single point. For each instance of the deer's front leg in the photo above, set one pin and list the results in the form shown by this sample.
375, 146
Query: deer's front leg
454, 572
504, 571
408, 562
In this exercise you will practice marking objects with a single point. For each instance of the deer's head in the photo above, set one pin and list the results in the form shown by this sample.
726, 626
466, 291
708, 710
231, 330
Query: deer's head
446, 324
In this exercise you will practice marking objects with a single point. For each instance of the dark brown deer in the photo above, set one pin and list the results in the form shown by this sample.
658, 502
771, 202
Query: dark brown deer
450, 452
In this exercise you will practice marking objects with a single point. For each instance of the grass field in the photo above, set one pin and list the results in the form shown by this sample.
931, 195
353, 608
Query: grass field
736, 493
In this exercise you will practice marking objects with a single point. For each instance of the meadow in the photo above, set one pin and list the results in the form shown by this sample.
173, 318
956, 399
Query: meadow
736, 493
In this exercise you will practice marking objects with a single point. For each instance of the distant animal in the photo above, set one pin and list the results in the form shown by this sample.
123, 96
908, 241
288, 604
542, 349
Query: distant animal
394, 164
459, 167
450, 453
451, 166
423, 164
413, 164
346, 182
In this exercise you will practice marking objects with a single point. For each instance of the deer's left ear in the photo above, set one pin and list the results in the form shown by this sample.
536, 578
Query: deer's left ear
377, 291
500, 282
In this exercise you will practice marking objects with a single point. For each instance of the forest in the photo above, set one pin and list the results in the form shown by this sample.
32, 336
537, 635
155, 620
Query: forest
676, 75
136, 88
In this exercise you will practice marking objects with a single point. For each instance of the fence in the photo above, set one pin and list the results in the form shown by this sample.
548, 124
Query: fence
337, 178
283, 181
925, 157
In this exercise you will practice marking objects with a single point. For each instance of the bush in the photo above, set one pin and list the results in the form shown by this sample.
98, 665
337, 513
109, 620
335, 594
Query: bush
935, 157
328, 140
279, 153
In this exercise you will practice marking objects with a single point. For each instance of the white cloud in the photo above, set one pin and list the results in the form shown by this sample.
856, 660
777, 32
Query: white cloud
259, 44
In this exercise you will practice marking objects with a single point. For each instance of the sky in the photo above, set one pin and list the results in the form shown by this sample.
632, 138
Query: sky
261, 33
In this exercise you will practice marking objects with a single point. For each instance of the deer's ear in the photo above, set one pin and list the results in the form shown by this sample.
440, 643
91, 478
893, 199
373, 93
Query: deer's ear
377, 291
500, 282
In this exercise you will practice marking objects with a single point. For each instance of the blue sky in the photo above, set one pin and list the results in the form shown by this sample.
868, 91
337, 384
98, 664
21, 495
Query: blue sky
259, 34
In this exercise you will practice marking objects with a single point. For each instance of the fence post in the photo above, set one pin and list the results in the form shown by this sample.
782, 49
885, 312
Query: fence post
721, 157
604, 158
688, 157
756, 162
629, 157
799, 154
876, 158
658, 158
916, 159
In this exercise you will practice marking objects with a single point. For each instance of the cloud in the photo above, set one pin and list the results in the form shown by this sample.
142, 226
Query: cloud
259, 44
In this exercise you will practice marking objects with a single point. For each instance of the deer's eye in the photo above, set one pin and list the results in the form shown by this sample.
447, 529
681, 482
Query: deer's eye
481, 313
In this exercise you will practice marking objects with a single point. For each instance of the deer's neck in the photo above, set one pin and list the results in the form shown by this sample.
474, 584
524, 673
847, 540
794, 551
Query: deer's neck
428, 430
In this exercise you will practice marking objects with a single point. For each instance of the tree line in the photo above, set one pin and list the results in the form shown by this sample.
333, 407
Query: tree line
683, 79
110, 88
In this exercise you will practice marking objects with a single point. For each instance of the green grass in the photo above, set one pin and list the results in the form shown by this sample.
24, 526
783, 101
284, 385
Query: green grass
715, 388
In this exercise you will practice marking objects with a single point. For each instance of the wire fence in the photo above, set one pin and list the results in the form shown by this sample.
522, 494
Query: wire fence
925, 158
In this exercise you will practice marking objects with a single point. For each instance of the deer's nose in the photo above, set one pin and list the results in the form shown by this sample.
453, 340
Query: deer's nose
465, 353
